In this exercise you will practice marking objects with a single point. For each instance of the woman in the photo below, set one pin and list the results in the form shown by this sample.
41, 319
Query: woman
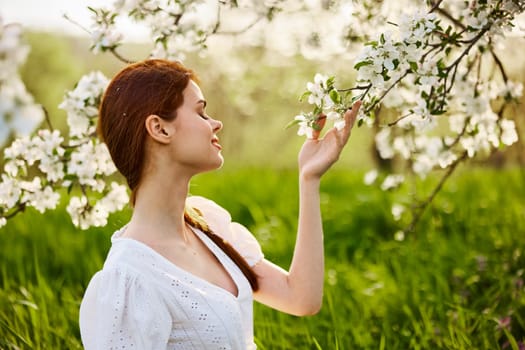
181, 274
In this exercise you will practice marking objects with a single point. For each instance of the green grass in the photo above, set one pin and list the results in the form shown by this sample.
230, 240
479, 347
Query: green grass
455, 283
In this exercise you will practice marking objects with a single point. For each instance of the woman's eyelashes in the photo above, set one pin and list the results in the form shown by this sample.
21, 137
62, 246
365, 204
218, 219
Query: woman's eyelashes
204, 116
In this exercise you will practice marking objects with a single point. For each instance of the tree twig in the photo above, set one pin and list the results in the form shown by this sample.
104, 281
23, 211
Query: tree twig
504, 75
20, 208
400, 119
435, 6
423, 206
448, 16
120, 57
48, 120
386, 91
236, 32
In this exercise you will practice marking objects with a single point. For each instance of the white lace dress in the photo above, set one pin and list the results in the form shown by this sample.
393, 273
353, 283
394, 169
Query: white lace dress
140, 300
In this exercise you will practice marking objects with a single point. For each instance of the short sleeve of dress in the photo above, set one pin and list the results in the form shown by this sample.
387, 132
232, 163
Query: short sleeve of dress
220, 221
119, 311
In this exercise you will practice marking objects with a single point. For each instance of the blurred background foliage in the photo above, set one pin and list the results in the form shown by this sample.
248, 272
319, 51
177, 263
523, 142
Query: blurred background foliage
253, 90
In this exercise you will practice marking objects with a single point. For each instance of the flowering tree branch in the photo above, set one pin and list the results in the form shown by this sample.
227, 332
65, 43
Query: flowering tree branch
426, 66
418, 62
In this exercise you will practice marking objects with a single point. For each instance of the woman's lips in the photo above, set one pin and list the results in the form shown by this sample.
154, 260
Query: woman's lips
215, 142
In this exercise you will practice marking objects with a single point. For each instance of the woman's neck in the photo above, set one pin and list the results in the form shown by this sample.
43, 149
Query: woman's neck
158, 213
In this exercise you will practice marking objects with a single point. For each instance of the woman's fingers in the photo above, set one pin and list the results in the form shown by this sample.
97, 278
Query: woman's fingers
321, 121
350, 117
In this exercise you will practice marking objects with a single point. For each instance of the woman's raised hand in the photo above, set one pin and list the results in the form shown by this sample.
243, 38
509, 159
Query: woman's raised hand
317, 155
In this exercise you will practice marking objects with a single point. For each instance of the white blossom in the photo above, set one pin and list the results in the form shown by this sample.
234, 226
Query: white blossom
370, 177
17, 148
13, 51
104, 35
422, 164
446, 158
18, 112
10, 192
402, 146
76, 209
304, 127
319, 92
98, 215
85, 215
469, 145
511, 89
457, 122
81, 104
397, 211
53, 167
89, 160
14, 167
116, 198
44, 199
508, 132
340, 124
337, 118
383, 144
104, 38
399, 236
392, 181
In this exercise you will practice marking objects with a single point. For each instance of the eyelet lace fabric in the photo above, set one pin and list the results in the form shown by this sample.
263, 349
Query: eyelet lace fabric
140, 300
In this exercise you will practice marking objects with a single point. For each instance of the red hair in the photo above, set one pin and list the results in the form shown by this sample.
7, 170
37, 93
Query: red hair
139, 90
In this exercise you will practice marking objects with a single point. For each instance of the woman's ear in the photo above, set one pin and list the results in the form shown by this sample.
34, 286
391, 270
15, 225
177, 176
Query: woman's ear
159, 129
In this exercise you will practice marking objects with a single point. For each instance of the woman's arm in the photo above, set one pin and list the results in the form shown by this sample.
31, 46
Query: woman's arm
300, 290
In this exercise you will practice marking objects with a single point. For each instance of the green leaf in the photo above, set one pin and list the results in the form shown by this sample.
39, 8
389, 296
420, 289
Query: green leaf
396, 63
438, 111
512, 340
292, 123
70, 177
330, 82
413, 66
335, 97
304, 95
362, 64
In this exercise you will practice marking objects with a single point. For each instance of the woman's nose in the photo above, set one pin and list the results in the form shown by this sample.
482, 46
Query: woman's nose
216, 125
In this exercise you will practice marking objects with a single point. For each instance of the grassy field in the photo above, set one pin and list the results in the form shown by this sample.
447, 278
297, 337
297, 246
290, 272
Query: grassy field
455, 283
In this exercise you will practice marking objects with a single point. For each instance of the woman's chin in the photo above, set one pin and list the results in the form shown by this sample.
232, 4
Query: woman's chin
216, 165
220, 164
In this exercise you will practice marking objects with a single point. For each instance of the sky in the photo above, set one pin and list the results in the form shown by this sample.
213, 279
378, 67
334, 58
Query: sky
48, 14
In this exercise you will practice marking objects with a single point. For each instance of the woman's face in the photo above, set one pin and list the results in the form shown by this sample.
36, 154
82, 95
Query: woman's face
196, 146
